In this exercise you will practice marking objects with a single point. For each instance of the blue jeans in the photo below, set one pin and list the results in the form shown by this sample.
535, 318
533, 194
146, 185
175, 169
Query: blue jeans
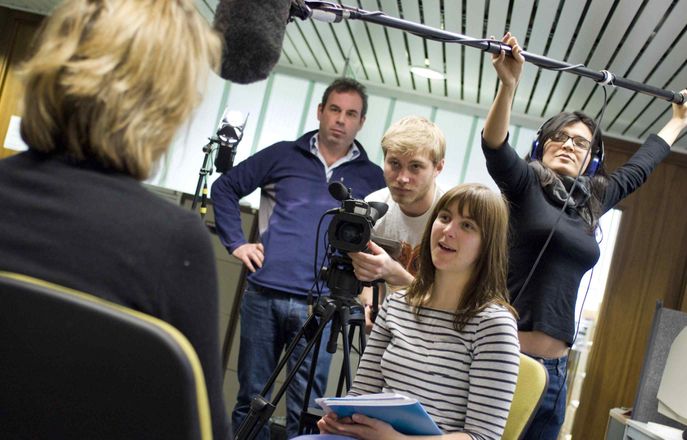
551, 413
269, 321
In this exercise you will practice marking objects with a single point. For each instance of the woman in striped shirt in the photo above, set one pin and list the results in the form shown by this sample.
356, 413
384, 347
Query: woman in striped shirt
450, 340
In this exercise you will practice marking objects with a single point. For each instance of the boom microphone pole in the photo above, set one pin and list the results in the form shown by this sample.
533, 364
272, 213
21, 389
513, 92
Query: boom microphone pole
334, 13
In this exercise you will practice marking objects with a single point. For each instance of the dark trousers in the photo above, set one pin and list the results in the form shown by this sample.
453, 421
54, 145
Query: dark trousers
549, 418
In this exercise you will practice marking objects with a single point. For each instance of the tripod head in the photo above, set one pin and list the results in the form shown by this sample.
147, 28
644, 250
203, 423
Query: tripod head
340, 278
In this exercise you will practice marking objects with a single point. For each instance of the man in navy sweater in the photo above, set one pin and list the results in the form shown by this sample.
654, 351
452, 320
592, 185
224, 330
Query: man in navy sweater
293, 177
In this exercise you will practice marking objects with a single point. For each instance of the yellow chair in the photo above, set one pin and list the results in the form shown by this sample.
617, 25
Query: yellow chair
73, 366
529, 392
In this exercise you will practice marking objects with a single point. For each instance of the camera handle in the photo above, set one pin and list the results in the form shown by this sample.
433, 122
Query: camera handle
375, 299
341, 313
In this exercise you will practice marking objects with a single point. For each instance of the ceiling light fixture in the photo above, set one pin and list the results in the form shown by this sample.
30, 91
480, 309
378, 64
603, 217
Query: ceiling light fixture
426, 72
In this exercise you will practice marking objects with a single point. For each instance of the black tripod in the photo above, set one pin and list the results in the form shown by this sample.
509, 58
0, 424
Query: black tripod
346, 314
205, 170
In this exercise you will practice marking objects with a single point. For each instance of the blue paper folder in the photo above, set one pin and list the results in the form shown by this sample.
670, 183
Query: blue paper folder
405, 414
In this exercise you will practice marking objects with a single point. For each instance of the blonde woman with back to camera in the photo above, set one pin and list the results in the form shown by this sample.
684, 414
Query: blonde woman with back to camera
108, 86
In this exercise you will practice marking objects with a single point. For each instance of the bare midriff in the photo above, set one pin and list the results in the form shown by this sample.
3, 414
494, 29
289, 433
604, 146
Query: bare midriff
540, 344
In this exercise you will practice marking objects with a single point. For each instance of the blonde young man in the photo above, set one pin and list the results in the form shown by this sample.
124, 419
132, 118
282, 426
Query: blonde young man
414, 149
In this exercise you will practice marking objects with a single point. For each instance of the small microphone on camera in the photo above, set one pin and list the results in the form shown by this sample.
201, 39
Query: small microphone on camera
339, 191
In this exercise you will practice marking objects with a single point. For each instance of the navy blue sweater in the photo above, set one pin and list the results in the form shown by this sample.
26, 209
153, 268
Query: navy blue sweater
297, 179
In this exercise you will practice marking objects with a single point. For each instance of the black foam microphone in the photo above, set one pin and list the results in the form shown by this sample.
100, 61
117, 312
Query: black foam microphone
253, 33
339, 191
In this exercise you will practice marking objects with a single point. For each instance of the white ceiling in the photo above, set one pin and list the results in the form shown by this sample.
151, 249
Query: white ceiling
641, 40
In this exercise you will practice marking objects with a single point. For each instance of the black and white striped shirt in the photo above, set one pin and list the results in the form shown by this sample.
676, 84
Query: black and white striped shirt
465, 380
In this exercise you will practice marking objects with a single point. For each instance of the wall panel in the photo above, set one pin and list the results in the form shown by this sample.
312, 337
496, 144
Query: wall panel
18, 30
649, 264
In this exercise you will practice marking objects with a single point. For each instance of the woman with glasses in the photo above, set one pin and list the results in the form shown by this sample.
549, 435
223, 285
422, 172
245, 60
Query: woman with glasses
561, 187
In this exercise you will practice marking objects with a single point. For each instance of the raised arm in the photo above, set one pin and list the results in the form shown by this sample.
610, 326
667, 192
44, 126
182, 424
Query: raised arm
626, 179
677, 123
508, 70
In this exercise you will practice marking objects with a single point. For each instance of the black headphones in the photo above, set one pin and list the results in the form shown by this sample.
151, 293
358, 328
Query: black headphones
592, 168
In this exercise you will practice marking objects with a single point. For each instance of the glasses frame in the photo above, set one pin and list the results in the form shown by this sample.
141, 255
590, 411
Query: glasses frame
579, 142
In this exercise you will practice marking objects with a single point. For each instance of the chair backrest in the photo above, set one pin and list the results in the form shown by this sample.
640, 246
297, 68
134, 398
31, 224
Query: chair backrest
79, 367
529, 392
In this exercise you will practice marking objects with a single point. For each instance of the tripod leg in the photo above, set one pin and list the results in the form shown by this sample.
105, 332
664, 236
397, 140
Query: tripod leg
345, 366
303, 420
355, 319
346, 340
342, 373
362, 339
261, 410
311, 373
360, 326
202, 175
316, 381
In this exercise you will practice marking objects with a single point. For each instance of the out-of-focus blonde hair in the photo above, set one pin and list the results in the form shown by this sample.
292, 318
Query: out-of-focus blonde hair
415, 134
112, 80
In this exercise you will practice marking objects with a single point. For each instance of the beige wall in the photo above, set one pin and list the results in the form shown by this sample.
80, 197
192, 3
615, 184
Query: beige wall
649, 264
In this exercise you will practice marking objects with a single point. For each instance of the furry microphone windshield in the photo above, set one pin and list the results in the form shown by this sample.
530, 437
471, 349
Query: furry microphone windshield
253, 33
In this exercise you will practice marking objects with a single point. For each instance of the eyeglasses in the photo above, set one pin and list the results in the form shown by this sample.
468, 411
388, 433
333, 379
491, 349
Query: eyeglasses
578, 141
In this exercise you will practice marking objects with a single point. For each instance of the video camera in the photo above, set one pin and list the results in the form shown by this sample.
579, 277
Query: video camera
349, 231
351, 228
